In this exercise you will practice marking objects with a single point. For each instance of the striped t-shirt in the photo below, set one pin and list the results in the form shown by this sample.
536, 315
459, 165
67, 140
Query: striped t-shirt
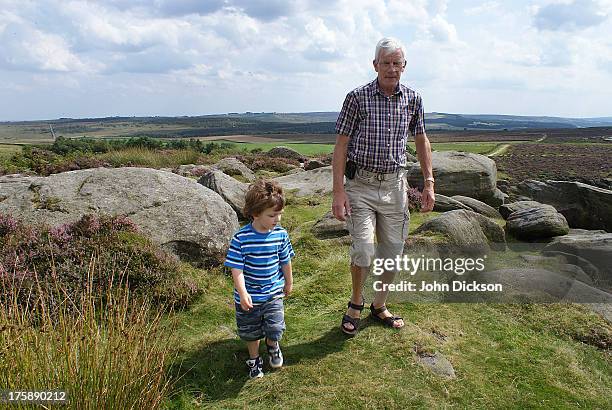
260, 257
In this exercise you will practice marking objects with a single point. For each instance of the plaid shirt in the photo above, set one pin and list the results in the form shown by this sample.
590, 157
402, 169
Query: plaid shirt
378, 126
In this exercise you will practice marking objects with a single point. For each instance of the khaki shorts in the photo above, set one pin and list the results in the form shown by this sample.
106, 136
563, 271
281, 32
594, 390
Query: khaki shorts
379, 208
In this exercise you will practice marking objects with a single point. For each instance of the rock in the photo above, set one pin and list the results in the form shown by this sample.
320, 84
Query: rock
506, 209
329, 227
438, 364
444, 203
232, 191
536, 223
540, 285
315, 182
285, 152
191, 170
584, 206
175, 212
460, 173
594, 246
587, 267
478, 206
313, 164
411, 158
467, 229
504, 185
569, 270
294, 171
231, 166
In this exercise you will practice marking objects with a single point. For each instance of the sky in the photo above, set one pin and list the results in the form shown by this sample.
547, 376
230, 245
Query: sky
63, 58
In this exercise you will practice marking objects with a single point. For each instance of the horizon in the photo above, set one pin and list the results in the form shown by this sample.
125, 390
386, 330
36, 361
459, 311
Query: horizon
145, 58
606, 117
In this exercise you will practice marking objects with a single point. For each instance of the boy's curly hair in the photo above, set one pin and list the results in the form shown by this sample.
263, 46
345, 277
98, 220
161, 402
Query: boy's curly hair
263, 194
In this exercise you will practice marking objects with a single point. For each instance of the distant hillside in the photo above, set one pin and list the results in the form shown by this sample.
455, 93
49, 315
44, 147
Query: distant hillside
264, 123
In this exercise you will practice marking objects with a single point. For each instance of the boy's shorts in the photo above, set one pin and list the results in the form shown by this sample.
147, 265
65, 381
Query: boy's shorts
267, 319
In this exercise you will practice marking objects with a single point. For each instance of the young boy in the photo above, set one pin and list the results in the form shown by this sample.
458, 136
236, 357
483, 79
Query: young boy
260, 258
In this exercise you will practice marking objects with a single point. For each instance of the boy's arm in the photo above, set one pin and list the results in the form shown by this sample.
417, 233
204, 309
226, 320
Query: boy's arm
288, 272
245, 299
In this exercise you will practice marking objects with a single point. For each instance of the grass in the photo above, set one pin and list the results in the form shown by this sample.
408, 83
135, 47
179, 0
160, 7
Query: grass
307, 149
473, 147
505, 356
7, 150
109, 355
150, 158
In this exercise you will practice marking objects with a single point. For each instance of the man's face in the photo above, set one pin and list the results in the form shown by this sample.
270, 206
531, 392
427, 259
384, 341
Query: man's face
390, 68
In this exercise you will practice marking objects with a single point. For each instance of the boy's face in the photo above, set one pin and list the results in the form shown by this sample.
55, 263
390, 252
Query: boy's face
268, 219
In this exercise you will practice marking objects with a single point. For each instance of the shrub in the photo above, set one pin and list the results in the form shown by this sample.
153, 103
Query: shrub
414, 199
37, 259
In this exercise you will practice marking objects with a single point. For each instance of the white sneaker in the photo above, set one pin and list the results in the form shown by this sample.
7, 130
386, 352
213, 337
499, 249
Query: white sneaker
276, 356
255, 368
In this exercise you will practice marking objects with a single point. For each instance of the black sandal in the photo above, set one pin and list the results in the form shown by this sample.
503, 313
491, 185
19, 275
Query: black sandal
387, 321
353, 321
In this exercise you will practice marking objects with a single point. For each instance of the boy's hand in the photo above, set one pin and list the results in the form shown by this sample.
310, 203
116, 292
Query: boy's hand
246, 303
288, 288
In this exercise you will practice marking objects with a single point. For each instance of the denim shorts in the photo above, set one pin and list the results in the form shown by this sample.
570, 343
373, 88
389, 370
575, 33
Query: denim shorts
267, 319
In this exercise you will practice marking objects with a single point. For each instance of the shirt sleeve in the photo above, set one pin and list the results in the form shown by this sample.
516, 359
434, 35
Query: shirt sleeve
234, 258
349, 116
417, 123
285, 252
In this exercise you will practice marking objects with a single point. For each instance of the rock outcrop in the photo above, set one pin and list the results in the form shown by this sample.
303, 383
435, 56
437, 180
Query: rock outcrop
461, 173
181, 215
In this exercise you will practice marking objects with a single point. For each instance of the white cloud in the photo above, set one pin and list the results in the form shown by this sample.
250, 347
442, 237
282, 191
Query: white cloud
576, 15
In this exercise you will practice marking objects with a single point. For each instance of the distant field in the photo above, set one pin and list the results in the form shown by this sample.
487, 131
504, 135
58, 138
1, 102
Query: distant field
309, 150
8, 150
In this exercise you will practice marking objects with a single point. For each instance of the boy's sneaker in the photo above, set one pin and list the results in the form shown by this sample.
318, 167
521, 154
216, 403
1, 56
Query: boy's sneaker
276, 356
255, 368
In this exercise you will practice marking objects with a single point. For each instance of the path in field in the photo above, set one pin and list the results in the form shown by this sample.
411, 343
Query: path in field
499, 150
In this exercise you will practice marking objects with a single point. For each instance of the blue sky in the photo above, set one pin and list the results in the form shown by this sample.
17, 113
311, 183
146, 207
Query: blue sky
186, 57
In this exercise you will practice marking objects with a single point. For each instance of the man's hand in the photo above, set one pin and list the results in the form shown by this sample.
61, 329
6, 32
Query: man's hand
288, 288
428, 198
246, 303
341, 206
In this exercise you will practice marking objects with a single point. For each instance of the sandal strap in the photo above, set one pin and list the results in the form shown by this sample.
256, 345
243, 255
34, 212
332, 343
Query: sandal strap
352, 320
377, 311
354, 306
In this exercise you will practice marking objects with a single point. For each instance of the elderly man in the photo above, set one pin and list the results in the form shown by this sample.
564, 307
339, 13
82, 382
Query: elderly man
370, 150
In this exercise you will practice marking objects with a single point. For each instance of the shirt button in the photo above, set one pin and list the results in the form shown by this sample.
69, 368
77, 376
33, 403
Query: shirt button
388, 145
389, 129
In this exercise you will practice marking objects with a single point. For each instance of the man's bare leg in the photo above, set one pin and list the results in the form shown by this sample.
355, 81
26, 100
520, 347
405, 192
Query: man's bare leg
380, 298
358, 275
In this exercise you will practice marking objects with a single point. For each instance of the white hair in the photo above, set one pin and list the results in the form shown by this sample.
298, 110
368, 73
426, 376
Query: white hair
388, 45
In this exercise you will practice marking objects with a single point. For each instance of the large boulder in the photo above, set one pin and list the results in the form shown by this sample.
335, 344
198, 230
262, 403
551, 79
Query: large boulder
467, 230
286, 152
179, 214
536, 223
231, 190
314, 182
233, 167
444, 203
506, 209
329, 227
584, 206
461, 173
478, 206
594, 246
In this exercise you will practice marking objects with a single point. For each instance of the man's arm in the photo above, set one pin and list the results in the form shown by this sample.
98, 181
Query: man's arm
340, 204
423, 148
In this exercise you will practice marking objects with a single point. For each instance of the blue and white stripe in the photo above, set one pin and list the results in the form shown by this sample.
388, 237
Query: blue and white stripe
260, 257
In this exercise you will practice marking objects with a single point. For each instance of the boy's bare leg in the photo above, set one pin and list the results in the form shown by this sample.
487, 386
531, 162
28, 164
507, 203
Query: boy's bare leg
253, 349
358, 275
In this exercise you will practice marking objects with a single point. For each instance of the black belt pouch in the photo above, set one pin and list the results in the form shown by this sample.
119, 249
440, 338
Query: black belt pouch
350, 169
